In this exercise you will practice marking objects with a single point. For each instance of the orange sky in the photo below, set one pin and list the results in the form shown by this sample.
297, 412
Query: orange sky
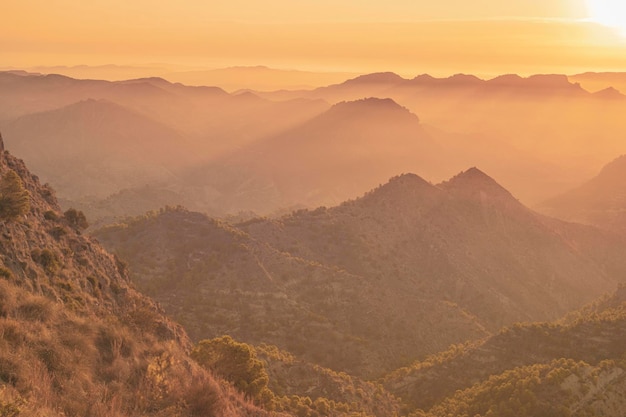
441, 37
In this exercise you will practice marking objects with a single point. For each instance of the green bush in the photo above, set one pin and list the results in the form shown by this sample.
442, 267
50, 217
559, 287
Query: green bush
58, 231
236, 362
76, 219
5, 273
47, 259
14, 199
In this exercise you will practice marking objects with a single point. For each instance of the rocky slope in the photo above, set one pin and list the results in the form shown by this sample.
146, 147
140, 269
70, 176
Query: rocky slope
76, 339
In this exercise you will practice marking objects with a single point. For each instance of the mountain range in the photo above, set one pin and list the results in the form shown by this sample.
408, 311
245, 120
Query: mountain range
402, 272
404, 301
562, 356
217, 152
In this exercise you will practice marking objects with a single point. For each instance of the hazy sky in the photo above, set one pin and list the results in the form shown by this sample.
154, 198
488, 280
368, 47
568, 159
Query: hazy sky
407, 36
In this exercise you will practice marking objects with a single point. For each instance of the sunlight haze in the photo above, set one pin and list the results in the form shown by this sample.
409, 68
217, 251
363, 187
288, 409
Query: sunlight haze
485, 37
313, 208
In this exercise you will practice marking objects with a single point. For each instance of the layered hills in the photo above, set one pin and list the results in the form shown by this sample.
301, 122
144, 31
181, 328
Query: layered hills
329, 286
101, 144
598, 81
218, 152
600, 201
404, 271
325, 160
76, 338
573, 367
103, 147
564, 128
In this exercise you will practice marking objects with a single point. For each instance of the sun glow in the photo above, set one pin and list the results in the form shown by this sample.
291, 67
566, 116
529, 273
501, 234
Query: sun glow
610, 13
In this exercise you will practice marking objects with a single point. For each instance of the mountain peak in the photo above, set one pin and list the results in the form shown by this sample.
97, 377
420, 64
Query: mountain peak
371, 104
464, 79
377, 78
153, 80
408, 180
456, 80
609, 93
538, 82
474, 183
615, 169
405, 188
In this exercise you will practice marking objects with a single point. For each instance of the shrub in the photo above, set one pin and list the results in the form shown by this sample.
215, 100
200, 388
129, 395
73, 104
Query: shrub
51, 215
9, 371
47, 259
237, 363
5, 273
58, 231
11, 404
35, 309
48, 193
76, 219
14, 199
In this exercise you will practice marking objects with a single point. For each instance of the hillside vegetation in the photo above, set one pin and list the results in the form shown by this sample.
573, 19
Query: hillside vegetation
375, 283
590, 337
76, 339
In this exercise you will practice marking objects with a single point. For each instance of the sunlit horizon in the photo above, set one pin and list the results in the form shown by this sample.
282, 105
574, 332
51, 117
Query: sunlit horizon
484, 38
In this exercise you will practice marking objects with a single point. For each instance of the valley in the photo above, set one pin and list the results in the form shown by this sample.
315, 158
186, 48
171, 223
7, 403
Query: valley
379, 247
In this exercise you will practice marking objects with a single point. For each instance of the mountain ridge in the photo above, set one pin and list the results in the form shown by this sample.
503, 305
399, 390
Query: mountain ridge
591, 335
413, 255
601, 201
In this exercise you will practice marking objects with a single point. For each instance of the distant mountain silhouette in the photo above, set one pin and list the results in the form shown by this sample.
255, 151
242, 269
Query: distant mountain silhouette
96, 147
201, 111
544, 83
259, 78
392, 85
508, 111
500, 124
96, 138
330, 158
601, 201
597, 81
609, 93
